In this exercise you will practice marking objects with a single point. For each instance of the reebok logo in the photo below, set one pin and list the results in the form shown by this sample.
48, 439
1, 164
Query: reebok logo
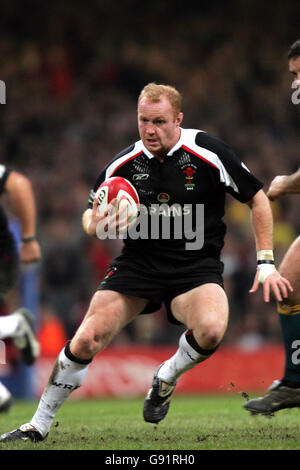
140, 177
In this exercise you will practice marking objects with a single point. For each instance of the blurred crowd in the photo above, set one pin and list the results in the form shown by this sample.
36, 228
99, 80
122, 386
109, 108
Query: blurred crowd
73, 72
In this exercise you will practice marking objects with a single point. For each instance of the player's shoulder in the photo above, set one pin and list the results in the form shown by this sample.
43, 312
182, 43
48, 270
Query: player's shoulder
202, 139
211, 148
123, 157
122, 153
129, 151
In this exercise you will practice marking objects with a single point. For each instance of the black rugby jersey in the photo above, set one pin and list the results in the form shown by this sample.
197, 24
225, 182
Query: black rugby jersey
199, 169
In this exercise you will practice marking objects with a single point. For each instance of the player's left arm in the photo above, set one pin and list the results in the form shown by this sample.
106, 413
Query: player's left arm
246, 188
262, 224
20, 192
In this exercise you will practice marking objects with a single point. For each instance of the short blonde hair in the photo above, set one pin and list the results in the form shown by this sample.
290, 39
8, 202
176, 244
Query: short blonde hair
155, 93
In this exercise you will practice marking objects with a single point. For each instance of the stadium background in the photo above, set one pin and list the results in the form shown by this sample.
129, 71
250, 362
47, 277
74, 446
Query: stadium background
73, 72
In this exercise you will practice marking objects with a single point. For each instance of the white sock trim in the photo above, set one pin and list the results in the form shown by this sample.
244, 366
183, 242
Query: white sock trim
183, 360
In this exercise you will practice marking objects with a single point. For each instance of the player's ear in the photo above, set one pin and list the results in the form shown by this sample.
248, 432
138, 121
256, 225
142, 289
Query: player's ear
179, 119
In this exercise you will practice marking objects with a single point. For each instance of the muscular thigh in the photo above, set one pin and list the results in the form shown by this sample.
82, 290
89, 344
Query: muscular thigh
108, 313
290, 268
114, 309
202, 306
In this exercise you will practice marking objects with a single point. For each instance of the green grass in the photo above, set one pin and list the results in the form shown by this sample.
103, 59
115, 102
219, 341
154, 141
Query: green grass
193, 423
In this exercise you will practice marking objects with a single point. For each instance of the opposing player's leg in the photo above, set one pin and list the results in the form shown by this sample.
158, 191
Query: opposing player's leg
20, 327
204, 310
5, 398
108, 313
286, 392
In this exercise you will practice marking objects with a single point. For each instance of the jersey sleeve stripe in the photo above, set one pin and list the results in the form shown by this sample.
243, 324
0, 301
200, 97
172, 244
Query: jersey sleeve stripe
120, 160
199, 156
122, 163
224, 175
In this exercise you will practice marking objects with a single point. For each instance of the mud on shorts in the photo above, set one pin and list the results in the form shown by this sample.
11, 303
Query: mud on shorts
127, 278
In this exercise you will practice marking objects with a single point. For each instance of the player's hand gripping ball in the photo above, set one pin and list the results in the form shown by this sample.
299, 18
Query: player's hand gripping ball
124, 192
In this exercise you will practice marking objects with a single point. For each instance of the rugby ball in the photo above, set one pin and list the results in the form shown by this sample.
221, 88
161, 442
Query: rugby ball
121, 189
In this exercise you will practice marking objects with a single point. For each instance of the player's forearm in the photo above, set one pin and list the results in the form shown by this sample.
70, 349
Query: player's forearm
262, 221
22, 199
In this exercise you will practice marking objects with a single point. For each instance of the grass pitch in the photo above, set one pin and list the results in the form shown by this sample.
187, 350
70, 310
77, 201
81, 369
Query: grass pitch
193, 423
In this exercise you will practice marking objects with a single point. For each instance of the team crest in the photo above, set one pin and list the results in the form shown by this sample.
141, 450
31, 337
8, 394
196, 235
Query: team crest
188, 170
189, 173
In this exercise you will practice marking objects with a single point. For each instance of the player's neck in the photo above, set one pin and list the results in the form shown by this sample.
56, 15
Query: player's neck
160, 158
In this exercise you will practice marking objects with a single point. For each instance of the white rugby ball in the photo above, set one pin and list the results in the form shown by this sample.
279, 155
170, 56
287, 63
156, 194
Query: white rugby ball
121, 189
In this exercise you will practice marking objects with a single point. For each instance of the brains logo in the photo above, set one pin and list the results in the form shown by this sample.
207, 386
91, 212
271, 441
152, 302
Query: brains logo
163, 197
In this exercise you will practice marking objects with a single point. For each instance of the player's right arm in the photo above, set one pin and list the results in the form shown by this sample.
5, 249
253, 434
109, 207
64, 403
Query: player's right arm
91, 216
110, 220
284, 184
114, 219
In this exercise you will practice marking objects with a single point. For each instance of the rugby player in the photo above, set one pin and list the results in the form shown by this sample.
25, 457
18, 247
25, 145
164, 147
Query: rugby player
180, 166
285, 393
19, 325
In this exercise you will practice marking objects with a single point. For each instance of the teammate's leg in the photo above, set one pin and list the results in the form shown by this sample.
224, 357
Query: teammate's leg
204, 310
108, 313
286, 393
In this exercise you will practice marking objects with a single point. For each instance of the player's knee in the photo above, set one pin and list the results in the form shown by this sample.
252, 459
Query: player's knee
83, 347
210, 340
210, 335
87, 345
93, 339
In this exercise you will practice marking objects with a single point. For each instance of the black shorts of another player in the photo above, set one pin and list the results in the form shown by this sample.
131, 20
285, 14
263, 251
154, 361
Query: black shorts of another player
125, 277
9, 264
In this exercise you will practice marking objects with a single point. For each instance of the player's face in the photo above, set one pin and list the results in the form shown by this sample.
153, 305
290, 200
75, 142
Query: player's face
159, 128
294, 67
